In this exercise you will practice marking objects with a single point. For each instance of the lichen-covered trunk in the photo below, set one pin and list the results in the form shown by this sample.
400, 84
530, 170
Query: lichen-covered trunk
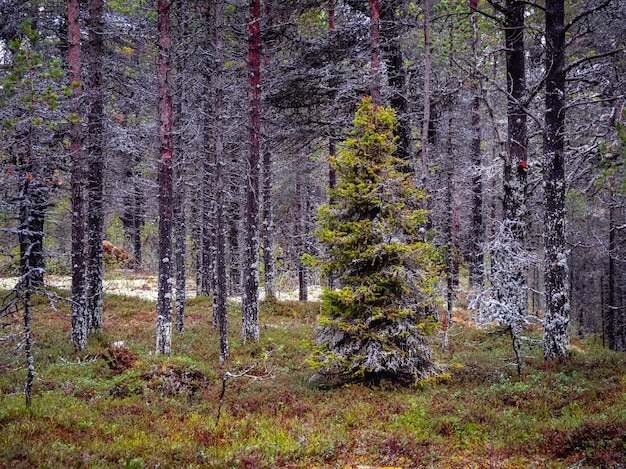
33, 207
478, 226
375, 51
425, 93
614, 316
250, 299
164, 298
28, 343
515, 168
556, 340
514, 292
179, 196
95, 129
79, 327
221, 287
268, 229
299, 237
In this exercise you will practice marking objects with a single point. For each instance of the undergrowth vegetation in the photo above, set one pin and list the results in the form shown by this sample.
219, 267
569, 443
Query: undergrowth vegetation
124, 407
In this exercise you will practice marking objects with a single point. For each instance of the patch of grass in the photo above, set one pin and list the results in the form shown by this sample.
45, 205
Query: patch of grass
133, 409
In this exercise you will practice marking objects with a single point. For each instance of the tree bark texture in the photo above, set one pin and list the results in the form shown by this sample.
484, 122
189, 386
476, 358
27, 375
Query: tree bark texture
268, 215
79, 328
250, 300
164, 299
556, 339
299, 236
179, 196
95, 129
426, 93
615, 317
33, 207
515, 167
221, 287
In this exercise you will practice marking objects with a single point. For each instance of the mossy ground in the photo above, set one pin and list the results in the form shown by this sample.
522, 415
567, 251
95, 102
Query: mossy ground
101, 409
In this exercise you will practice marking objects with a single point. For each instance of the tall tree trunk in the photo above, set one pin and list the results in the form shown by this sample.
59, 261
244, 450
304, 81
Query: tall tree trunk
476, 266
79, 329
375, 51
478, 227
268, 217
221, 287
268, 228
95, 129
250, 300
179, 208
164, 300
556, 339
611, 308
515, 211
426, 93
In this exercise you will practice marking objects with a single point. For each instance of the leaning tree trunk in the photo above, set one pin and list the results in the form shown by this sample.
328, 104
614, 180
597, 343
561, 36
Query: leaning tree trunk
79, 329
164, 300
250, 300
556, 339
95, 128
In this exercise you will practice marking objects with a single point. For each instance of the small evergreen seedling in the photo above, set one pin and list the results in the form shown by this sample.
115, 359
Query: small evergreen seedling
374, 327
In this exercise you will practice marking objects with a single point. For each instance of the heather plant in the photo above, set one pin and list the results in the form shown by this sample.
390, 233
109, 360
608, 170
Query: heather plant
375, 325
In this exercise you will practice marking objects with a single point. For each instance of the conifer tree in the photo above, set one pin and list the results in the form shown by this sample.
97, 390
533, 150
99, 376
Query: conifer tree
374, 327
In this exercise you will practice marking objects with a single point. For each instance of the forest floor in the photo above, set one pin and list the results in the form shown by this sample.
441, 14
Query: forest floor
144, 285
124, 407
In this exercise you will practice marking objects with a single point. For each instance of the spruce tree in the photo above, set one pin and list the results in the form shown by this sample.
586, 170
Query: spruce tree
374, 327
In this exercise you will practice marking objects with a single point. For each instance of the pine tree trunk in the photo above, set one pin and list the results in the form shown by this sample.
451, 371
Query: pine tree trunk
268, 229
250, 300
28, 342
32, 218
556, 339
299, 237
476, 264
179, 208
221, 287
514, 292
95, 129
79, 329
426, 93
164, 300
267, 226
478, 227
612, 309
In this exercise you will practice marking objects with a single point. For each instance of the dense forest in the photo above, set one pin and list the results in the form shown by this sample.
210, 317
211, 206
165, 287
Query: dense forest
415, 159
